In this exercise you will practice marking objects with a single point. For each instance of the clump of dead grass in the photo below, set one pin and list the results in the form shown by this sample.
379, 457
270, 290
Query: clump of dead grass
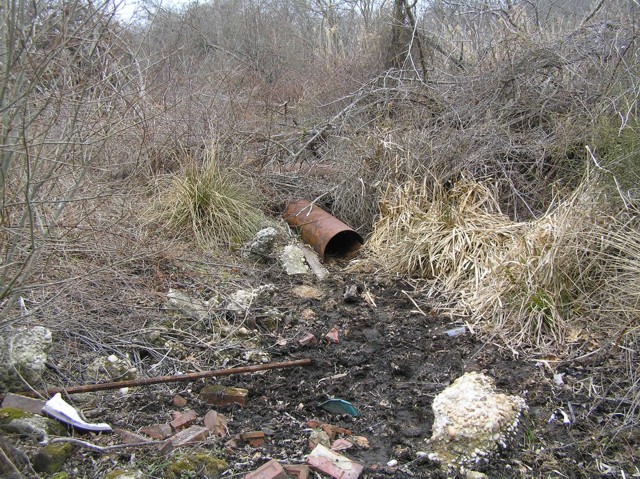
532, 283
209, 204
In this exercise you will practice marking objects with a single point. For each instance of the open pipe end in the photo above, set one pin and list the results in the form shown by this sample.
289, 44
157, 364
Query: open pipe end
343, 245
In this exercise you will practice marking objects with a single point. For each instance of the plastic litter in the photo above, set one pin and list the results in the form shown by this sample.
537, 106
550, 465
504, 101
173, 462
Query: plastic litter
339, 406
57, 408
456, 331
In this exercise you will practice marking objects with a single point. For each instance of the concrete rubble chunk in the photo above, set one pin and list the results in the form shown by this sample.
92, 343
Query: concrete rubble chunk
34, 406
241, 301
293, 261
336, 465
185, 305
314, 263
262, 244
269, 470
23, 354
472, 420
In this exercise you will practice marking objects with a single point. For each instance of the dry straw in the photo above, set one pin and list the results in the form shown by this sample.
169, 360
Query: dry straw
530, 282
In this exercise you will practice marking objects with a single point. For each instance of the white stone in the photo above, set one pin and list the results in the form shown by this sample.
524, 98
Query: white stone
475, 417
242, 300
262, 244
23, 355
293, 261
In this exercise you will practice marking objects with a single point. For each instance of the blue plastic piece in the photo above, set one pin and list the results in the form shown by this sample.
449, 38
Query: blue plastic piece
339, 406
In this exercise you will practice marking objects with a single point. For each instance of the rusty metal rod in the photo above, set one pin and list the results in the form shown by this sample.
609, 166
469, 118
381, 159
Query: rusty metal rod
167, 379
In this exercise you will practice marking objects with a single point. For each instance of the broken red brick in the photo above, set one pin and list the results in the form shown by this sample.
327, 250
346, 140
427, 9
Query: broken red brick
308, 338
159, 432
130, 437
179, 401
232, 444
341, 445
333, 336
223, 396
331, 430
216, 423
254, 438
184, 420
34, 406
298, 471
333, 464
189, 436
166, 447
269, 470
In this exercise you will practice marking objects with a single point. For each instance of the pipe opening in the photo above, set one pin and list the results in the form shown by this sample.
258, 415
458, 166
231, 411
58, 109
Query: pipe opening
345, 243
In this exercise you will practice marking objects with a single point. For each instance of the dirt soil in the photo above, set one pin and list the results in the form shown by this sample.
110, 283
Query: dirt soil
393, 357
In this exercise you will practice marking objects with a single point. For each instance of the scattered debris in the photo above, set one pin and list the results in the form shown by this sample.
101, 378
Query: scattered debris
298, 471
241, 301
261, 246
253, 438
34, 406
560, 413
188, 436
111, 368
187, 306
183, 420
339, 406
179, 401
158, 432
308, 338
341, 445
216, 423
318, 436
293, 261
333, 336
360, 441
351, 293
196, 463
57, 408
330, 429
456, 331
471, 419
223, 395
30, 425
52, 457
23, 354
475, 475
129, 437
269, 470
307, 292
333, 464
314, 263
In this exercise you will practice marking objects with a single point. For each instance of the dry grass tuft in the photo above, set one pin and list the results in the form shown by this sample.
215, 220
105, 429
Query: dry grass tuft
531, 283
210, 204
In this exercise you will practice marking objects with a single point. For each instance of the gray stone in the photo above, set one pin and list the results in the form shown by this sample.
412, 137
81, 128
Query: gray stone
261, 247
187, 306
475, 475
23, 354
472, 420
293, 261
242, 300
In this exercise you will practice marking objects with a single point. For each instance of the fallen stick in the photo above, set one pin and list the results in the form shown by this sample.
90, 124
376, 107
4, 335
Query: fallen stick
166, 379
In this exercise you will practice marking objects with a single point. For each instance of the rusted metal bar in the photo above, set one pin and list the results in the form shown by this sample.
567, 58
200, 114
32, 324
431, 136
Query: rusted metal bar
168, 379
326, 234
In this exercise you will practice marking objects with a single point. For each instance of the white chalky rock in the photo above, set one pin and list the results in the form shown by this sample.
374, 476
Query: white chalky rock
111, 368
23, 354
187, 306
293, 260
242, 300
262, 244
471, 420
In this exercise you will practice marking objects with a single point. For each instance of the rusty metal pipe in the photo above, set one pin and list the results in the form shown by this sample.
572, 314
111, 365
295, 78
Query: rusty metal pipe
325, 233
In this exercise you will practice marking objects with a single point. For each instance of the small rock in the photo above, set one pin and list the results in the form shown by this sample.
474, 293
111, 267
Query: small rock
187, 306
34, 406
253, 438
392, 463
333, 336
179, 401
218, 395
241, 301
475, 475
298, 471
52, 457
111, 368
189, 436
261, 247
195, 464
23, 354
351, 293
158, 432
183, 420
129, 437
216, 423
308, 338
293, 261
318, 437
125, 474
307, 292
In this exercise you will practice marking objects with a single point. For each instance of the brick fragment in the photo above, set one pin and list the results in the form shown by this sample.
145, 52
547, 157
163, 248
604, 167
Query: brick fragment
297, 471
254, 438
216, 423
158, 432
179, 401
224, 396
190, 435
34, 406
130, 437
269, 470
333, 336
308, 338
333, 464
184, 420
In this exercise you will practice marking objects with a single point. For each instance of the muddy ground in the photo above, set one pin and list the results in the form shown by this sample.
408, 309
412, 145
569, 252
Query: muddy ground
393, 357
